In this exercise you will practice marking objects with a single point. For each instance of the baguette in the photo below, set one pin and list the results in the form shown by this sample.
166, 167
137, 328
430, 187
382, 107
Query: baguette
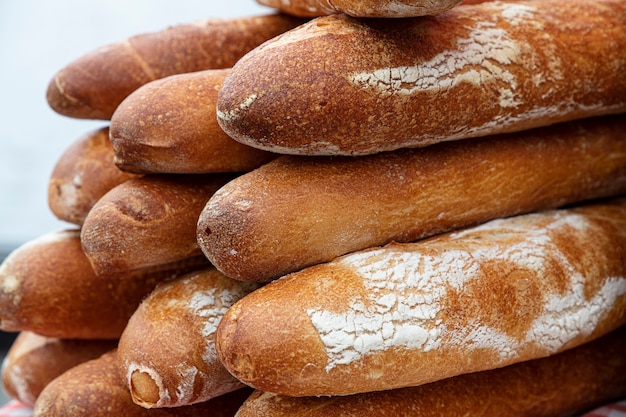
147, 222
167, 351
339, 85
402, 315
170, 126
95, 389
360, 8
82, 175
92, 86
298, 211
33, 361
47, 286
566, 384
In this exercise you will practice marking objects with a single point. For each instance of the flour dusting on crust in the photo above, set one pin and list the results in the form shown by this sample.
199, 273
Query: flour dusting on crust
480, 59
208, 306
204, 301
408, 290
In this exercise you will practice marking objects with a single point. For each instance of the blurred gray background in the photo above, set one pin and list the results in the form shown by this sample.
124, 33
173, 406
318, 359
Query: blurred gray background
37, 38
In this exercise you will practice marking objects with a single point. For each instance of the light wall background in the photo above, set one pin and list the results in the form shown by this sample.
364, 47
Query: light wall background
37, 38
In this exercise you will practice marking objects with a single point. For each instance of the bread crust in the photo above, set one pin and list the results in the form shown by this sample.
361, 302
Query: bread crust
362, 8
96, 389
33, 361
167, 351
47, 286
569, 383
170, 126
340, 85
147, 222
298, 211
92, 86
82, 175
504, 292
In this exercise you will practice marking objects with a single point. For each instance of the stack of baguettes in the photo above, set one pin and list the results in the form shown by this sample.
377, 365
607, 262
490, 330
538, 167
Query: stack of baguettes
367, 208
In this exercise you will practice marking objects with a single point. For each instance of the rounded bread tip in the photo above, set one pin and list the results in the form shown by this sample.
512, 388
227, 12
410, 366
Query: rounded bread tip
224, 336
230, 351
54, 95
66, 105
144, 389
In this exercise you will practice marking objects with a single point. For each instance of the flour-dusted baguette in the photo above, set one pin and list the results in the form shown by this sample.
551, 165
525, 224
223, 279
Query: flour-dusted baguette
299, 211
402, 315
169, 126
362, 8
147, 222
167, 351
47, 286
92, 86
95, 389
569, 383
33, 361
83, 174
339, 85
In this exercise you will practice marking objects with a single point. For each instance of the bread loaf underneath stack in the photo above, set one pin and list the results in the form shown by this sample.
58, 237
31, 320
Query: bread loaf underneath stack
340, 85
92, 86
569, 383
33, 361
296, 211
167, 351
170, 126
147, 222
47, 286
402, 315
82, 175
95, 389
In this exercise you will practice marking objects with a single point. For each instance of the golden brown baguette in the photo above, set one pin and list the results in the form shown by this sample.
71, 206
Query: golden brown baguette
297, 211
569, 383
339, 85
95, 389
147, 222
83, 174
362, 8
403, 315
170, 126
33, 361
167, 351
92, 86
48, 286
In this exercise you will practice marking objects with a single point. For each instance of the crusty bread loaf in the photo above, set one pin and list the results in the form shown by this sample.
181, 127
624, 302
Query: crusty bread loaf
147, 222
47, 286
167, 351
33, 361
83, 174
402, 315
566, 384
92, 86
362, 8
340, 85
297, 211
95, 389
170, 126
